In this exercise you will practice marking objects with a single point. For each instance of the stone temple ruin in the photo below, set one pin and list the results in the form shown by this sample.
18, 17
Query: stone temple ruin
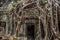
30, 20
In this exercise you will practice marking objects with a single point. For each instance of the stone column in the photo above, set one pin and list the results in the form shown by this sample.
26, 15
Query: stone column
7, 25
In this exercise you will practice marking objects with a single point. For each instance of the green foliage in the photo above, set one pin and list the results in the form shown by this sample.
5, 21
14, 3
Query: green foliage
15, 0
42, 1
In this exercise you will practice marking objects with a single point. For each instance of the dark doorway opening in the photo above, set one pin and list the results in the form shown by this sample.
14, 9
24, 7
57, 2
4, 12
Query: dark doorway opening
58, 21
30, 31
2, 26
59, 26
0, 38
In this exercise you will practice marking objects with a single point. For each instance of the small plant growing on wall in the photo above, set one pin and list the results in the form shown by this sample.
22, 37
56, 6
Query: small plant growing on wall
42, 2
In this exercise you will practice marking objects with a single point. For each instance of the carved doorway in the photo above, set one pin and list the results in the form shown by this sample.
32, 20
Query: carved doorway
30, 31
